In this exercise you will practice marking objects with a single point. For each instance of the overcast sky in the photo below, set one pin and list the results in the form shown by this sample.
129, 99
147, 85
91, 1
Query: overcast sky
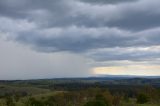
79, 38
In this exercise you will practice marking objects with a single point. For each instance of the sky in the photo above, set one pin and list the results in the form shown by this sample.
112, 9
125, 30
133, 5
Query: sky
79, 38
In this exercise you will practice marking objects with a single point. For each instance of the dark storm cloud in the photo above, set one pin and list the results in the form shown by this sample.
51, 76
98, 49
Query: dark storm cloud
129, 15
130, 54
137, 21
81, 26
27, 9
77, 39
107, 1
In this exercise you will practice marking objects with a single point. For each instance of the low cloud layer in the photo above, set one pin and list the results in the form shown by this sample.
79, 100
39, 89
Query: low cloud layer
102, 30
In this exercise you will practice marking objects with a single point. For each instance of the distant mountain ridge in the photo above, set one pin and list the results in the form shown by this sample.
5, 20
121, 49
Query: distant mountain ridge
91, 78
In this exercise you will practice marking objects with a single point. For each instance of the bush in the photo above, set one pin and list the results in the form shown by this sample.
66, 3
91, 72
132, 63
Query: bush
95, 103
116, 100
142, 98
50, 101
101, 97
9, 101
34, 102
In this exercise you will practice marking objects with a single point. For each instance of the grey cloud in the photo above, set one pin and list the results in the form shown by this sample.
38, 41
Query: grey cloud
126, 54
79, 27
135, 15
107, 1
76, 39
137, 21
139, 15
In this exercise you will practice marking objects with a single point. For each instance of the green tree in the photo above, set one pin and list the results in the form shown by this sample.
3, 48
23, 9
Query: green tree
50, 101
142, 98
95, 103
116, 100
9, 101
33, 102
101, 98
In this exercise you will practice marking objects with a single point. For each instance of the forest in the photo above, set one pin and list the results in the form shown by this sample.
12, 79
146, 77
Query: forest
81, 92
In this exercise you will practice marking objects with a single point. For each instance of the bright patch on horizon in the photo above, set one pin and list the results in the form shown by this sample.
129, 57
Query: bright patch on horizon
129, 70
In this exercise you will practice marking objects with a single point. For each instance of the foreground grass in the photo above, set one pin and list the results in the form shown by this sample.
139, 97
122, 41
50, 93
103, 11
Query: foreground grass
23, 100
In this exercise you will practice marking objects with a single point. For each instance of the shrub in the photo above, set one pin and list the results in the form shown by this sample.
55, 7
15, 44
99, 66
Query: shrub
34, 102
142, 98
95, 103
9, 101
